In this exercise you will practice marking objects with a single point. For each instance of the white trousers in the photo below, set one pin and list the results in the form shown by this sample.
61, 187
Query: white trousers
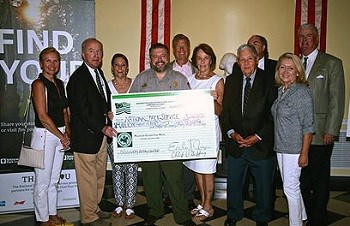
290, 173
46, 180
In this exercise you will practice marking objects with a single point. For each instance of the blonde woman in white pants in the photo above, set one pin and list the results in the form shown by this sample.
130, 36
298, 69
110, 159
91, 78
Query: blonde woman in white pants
294, 128
51, 133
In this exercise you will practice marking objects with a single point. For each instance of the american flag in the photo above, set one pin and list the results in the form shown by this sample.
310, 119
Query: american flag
314, 12
155, 27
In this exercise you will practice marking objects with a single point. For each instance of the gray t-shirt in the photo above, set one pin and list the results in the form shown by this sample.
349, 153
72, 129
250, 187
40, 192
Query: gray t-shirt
147, 81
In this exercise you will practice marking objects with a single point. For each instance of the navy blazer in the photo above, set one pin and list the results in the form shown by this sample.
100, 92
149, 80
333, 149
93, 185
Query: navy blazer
258, 119
270, 67
88, 111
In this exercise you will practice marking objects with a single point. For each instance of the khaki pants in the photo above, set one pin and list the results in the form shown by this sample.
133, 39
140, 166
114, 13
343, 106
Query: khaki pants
91, 173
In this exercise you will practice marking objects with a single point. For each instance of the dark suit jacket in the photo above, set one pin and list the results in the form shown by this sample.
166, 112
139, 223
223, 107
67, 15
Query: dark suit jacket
270, 67
258, 119
88, 111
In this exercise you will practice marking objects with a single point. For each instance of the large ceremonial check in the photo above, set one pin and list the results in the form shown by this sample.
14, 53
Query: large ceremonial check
164, 125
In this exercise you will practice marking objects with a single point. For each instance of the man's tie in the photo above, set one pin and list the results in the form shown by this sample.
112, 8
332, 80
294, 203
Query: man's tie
247, 90
305, 62
99, 84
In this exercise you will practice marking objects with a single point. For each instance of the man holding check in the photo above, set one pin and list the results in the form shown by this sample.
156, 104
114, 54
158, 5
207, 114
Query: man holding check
161, 78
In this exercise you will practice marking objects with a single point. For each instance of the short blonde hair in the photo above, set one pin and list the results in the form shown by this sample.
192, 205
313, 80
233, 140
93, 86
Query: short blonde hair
298, 65
47, 51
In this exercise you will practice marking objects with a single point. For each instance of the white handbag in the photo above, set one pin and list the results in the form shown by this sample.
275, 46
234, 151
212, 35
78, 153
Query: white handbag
29, 156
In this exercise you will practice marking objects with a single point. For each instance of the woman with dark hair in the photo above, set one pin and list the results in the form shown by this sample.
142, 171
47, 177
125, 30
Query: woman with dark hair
204, 59
124, 174
52, 133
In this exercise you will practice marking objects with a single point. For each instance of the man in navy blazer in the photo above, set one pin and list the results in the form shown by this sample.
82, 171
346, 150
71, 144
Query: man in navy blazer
325, 75
89, 102
265, 63
250, 137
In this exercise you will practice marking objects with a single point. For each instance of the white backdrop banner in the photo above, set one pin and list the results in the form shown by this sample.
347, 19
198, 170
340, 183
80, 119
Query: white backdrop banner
26, 28
17, 191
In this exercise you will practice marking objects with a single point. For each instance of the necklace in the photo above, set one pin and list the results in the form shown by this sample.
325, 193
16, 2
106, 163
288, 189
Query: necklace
121, 85
205, 76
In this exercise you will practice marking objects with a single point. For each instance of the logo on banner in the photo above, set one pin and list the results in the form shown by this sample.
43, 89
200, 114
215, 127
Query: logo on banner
19, 203
124, 140
122, 108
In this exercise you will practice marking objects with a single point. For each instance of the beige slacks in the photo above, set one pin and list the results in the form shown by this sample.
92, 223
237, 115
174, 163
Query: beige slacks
90, 173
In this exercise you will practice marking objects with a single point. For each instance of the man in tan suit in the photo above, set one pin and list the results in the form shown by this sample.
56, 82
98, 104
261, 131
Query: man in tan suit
325, 76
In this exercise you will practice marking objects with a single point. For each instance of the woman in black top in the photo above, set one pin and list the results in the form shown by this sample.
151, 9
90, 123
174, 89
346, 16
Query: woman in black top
51, 133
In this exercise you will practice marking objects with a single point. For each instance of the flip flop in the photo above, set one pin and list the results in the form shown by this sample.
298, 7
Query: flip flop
117, 213
129, 214
196, 210
203, 215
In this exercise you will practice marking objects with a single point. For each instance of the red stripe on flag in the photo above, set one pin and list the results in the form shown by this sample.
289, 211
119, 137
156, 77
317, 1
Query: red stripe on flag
143, 35
311, 11
297, 25
167, 23
155, 15
323, 28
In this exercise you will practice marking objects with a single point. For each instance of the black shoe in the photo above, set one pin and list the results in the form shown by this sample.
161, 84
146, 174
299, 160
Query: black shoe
188, 223
150, 220
167, 201
230, 222
191, 204
103, 215
261, 223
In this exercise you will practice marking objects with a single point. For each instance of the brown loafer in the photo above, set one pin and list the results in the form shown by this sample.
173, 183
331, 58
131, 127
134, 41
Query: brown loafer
57, 220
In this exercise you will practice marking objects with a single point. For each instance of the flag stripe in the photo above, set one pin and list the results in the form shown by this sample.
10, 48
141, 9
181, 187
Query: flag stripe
143, 34
297, 23
323, 26
160, 30
155, 15
310, 10
167, 14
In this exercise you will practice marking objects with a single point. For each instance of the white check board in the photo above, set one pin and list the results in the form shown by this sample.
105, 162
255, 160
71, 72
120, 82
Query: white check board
168, 125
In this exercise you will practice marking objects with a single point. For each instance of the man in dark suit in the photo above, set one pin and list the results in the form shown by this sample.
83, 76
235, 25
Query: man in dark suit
269, 66
248, 123
261, 46
89, 102
325, 76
